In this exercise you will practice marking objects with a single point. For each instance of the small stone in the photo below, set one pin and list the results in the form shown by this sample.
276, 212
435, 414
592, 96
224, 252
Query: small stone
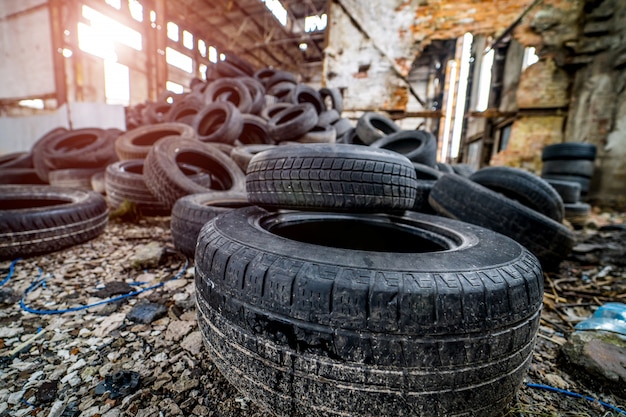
160, 357
113, 322
57, 409
178, 329
7, 332
192, 342
15, 397
77, 365
147, 256
146, 312
113, 288
114, 412
8, 296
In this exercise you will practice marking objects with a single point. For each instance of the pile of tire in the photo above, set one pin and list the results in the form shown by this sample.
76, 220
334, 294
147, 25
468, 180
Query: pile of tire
327, 295
569, 168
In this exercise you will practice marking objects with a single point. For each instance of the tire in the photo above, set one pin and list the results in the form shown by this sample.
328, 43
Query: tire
445, 168
569, 150
166, 180
254, 131
220, 121
136, 143
257, 94
191, 212
328, 117
292, 122
307, 315
568, 190
124, 181
16, 160
331, 177
524, 187
184, 111
73, 177
38, 152
282, 91
333, 95
20, 176
304, 93
39, 219
460, 198
580, 167
271, 110
279, 77
264, 74
243, 154
372, 126
426, 179
463, 170
417, 145
577, 213
584, 182
231, 90
319, 134
158, 111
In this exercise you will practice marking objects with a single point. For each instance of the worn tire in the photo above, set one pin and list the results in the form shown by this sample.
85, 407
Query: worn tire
333, 95
319, 134
73, 177
20, 176
292, 122
568, 190
218, 122
39, 219
136, 143
243, 154
308, 315
569, 150
191, 212
231, 90
584, 182
460, 198
426, 179
581, 167
523, 186
331, 177
16, 160
417, 145
304, 93
254, 131
372, 126
166, 180
577, 213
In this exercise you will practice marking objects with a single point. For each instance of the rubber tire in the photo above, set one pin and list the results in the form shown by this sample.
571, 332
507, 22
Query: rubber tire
40, 219
243, 154
231, 90
458, 197
191, 212
218, 122
524, 187
372, 126
569, 150
271, 110
307, 315
580, 167
568, 190
73, 177
417, 145
445, 168
328, 117
20, 176
292, 122
464, 170
583, 181
184, 111
167, 182
16, 160
254, 131
426, 179
335, 97
318, 134
257, 94
577, 213
124, 181
136, 143
38, 151
331, 177
304, 93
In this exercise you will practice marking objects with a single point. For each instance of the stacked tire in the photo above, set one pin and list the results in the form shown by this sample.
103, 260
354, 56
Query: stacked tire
330, 297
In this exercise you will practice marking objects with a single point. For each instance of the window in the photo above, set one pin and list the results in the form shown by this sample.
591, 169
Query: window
277, 9
202, 69
202, 48
530, 57
174, 87
314, 23
99, 37
172, 31
187, 40
136, 10
212, 54
114, 3
181, 61
116, 83
484, 81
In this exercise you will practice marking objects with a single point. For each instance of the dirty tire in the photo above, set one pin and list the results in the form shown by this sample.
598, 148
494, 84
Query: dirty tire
292, 122
243, 154
426, 179
191, 212
460, 198
308, 315
39, 219
230, 90
417, 145
333, 94
569, 150
568, 190
304, 93
523, 186
184, 111
584, 182
331, 177
319, 134
254, 131
136, 143
465, 170
372, 126
218, 122
124, 181
167, 181
16, 160
445, 168
582, 167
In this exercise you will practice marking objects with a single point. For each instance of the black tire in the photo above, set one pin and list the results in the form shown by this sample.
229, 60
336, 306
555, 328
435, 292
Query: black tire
460, 198
254, 131
20, 176
308, 315
271, 110
372, 126
523, 186
281, 91
580, 167
218, 122
257, 94
157, 112
577, 213
426, 179
568, 190
331, 177
184, 111
243, 154
319, 134
39, 219
292, 122
166, 180
191, 212
73, 177
124, 181
328, 117
264, 74
445, 168
333, 95
584, 182
463, 170
417, 145
38, 151
304, 93
279, 77
16, 160
136, 143
569, 150
231, 90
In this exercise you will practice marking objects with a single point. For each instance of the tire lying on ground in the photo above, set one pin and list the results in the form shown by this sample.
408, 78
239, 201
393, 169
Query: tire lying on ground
417, 145
568, 190
136, 143
426, 179
372, 126
331, 314
191, 212
39, 219
166, 180
331, 177
460, 198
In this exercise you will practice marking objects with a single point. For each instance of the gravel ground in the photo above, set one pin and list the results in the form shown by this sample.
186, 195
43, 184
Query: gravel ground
82, 363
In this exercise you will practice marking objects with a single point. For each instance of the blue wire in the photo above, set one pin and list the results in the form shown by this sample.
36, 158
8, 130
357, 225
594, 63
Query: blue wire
11, 269
575, 395
40, 281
